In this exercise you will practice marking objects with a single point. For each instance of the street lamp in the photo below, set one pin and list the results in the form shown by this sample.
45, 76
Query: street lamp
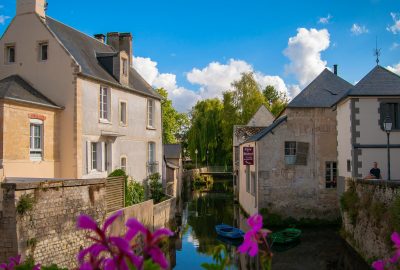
196, 152
387, 125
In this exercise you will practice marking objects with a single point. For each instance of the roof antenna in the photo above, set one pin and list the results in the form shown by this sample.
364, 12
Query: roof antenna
377, 52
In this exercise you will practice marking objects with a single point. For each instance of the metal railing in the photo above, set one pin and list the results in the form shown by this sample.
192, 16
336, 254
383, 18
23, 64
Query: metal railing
216, 169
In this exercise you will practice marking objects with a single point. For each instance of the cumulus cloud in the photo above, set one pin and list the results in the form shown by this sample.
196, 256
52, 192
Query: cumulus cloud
304, 52
394, 46
182, 98
325, 20
395, 28
395, 68
357, 29
3, 19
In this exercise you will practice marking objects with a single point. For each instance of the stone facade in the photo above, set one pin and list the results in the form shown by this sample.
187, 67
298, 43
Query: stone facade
296, 190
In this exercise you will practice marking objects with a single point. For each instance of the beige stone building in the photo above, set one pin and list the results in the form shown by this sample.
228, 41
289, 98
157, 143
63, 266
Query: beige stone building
295, 158
74, 107
360, 116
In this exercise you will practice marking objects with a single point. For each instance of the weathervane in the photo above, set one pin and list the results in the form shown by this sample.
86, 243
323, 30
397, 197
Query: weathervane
377, 52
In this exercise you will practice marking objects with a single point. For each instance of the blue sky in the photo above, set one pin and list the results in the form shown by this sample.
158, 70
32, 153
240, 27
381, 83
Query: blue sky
176, 41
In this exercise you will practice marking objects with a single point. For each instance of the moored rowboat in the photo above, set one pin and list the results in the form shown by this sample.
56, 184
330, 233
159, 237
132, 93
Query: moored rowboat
229, 231
285, 236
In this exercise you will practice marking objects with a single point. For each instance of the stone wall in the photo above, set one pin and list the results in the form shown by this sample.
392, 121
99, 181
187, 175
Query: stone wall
47, 230
370, 214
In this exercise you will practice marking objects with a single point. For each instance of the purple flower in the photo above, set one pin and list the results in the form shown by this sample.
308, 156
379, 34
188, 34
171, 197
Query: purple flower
379, 265
253, 236
151, 240
13, 261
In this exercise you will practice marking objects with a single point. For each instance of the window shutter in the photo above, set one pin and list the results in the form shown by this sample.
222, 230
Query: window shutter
88, 155
301, 153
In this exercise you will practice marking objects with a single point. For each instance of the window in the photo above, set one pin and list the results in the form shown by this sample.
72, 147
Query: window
36, 140
330, 174
248, 178
124, 66
152, 164
104, 103
43, 47
94, 155
348, 165
122, 113
123, 164
253, 183
391, 110
150, 113
106, 145
10, 54
296, 153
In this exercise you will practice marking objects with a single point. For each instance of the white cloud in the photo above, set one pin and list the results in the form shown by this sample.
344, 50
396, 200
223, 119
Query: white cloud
395, 28
182, 99
325, 20
395, 68
3, 19
304, 51
394, 46
357, 29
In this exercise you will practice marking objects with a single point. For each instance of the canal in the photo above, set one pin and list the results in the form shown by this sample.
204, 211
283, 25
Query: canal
319, 249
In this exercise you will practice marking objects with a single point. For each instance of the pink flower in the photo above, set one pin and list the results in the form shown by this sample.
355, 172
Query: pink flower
151, 241
13, 262
379, 265
253, 236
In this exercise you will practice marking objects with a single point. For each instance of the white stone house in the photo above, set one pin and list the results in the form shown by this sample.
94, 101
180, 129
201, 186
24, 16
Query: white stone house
294, 168
360, 116
111, 117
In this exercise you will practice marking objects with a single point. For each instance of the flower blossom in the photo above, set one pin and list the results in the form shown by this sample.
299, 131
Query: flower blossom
254, 236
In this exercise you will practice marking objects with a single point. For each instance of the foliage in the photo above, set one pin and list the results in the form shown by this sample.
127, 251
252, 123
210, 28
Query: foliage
201, 182
15, 263
25, 204
276, 101
220, 258
394, 213
117, 172
174, 123
350, 202
134, 193
156, 188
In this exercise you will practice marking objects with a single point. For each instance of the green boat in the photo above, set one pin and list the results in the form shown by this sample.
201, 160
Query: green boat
285, 236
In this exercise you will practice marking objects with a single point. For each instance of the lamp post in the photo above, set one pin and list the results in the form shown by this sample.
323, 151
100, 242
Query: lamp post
196, 152
387, 125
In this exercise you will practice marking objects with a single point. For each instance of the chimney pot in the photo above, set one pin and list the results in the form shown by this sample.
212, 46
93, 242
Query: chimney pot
335, 69
100, 37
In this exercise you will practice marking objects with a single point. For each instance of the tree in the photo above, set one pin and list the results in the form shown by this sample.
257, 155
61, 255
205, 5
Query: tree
276, 101
174, 123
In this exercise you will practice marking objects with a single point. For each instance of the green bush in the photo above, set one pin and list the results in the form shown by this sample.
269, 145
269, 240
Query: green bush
350, 203
117, 172
25, 204
394, 213
201, 182
156, 188
134, 193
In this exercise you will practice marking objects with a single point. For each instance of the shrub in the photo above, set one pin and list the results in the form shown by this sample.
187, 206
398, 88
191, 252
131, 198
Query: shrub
394, 213
134, 193
117, 172
156, 188
25, 204
349, 203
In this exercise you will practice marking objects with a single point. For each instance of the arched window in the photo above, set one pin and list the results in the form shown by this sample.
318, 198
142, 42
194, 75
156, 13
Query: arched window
123, 163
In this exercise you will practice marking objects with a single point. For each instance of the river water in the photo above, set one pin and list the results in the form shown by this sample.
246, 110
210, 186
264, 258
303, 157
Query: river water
319, 249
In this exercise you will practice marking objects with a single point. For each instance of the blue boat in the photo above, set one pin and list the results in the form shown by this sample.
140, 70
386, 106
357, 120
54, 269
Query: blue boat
229, 231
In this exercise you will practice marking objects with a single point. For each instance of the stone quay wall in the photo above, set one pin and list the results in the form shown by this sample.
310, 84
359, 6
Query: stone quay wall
371, 213
39, 217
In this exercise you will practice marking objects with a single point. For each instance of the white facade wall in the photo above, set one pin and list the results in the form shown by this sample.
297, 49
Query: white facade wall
131, 140
344, 138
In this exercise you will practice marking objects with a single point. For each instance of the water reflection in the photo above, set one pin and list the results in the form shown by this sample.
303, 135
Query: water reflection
321, 249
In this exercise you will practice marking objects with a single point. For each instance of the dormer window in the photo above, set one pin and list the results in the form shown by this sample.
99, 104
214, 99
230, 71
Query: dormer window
10, 54
43, 51
124, 67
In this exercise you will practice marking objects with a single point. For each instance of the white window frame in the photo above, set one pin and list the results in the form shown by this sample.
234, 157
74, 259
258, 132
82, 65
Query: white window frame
36, 153
121, 165
94, 156
150, 113
8, 54
121, 111
41, 45
331, 171
104, 104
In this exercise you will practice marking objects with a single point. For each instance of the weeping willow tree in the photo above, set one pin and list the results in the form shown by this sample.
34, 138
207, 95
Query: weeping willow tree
205, 133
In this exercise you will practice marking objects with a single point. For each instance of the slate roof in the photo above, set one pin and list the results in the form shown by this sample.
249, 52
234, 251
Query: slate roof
266, 130
85, 49
17, 89
378, 82
172, 150
323, 92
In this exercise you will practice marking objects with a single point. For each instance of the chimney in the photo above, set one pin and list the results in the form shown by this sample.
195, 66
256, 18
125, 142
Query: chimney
335, 69
32, 6
113, 40
100, 37
125, 44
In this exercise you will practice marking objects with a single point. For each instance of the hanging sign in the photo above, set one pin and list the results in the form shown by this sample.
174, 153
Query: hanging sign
248, 155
